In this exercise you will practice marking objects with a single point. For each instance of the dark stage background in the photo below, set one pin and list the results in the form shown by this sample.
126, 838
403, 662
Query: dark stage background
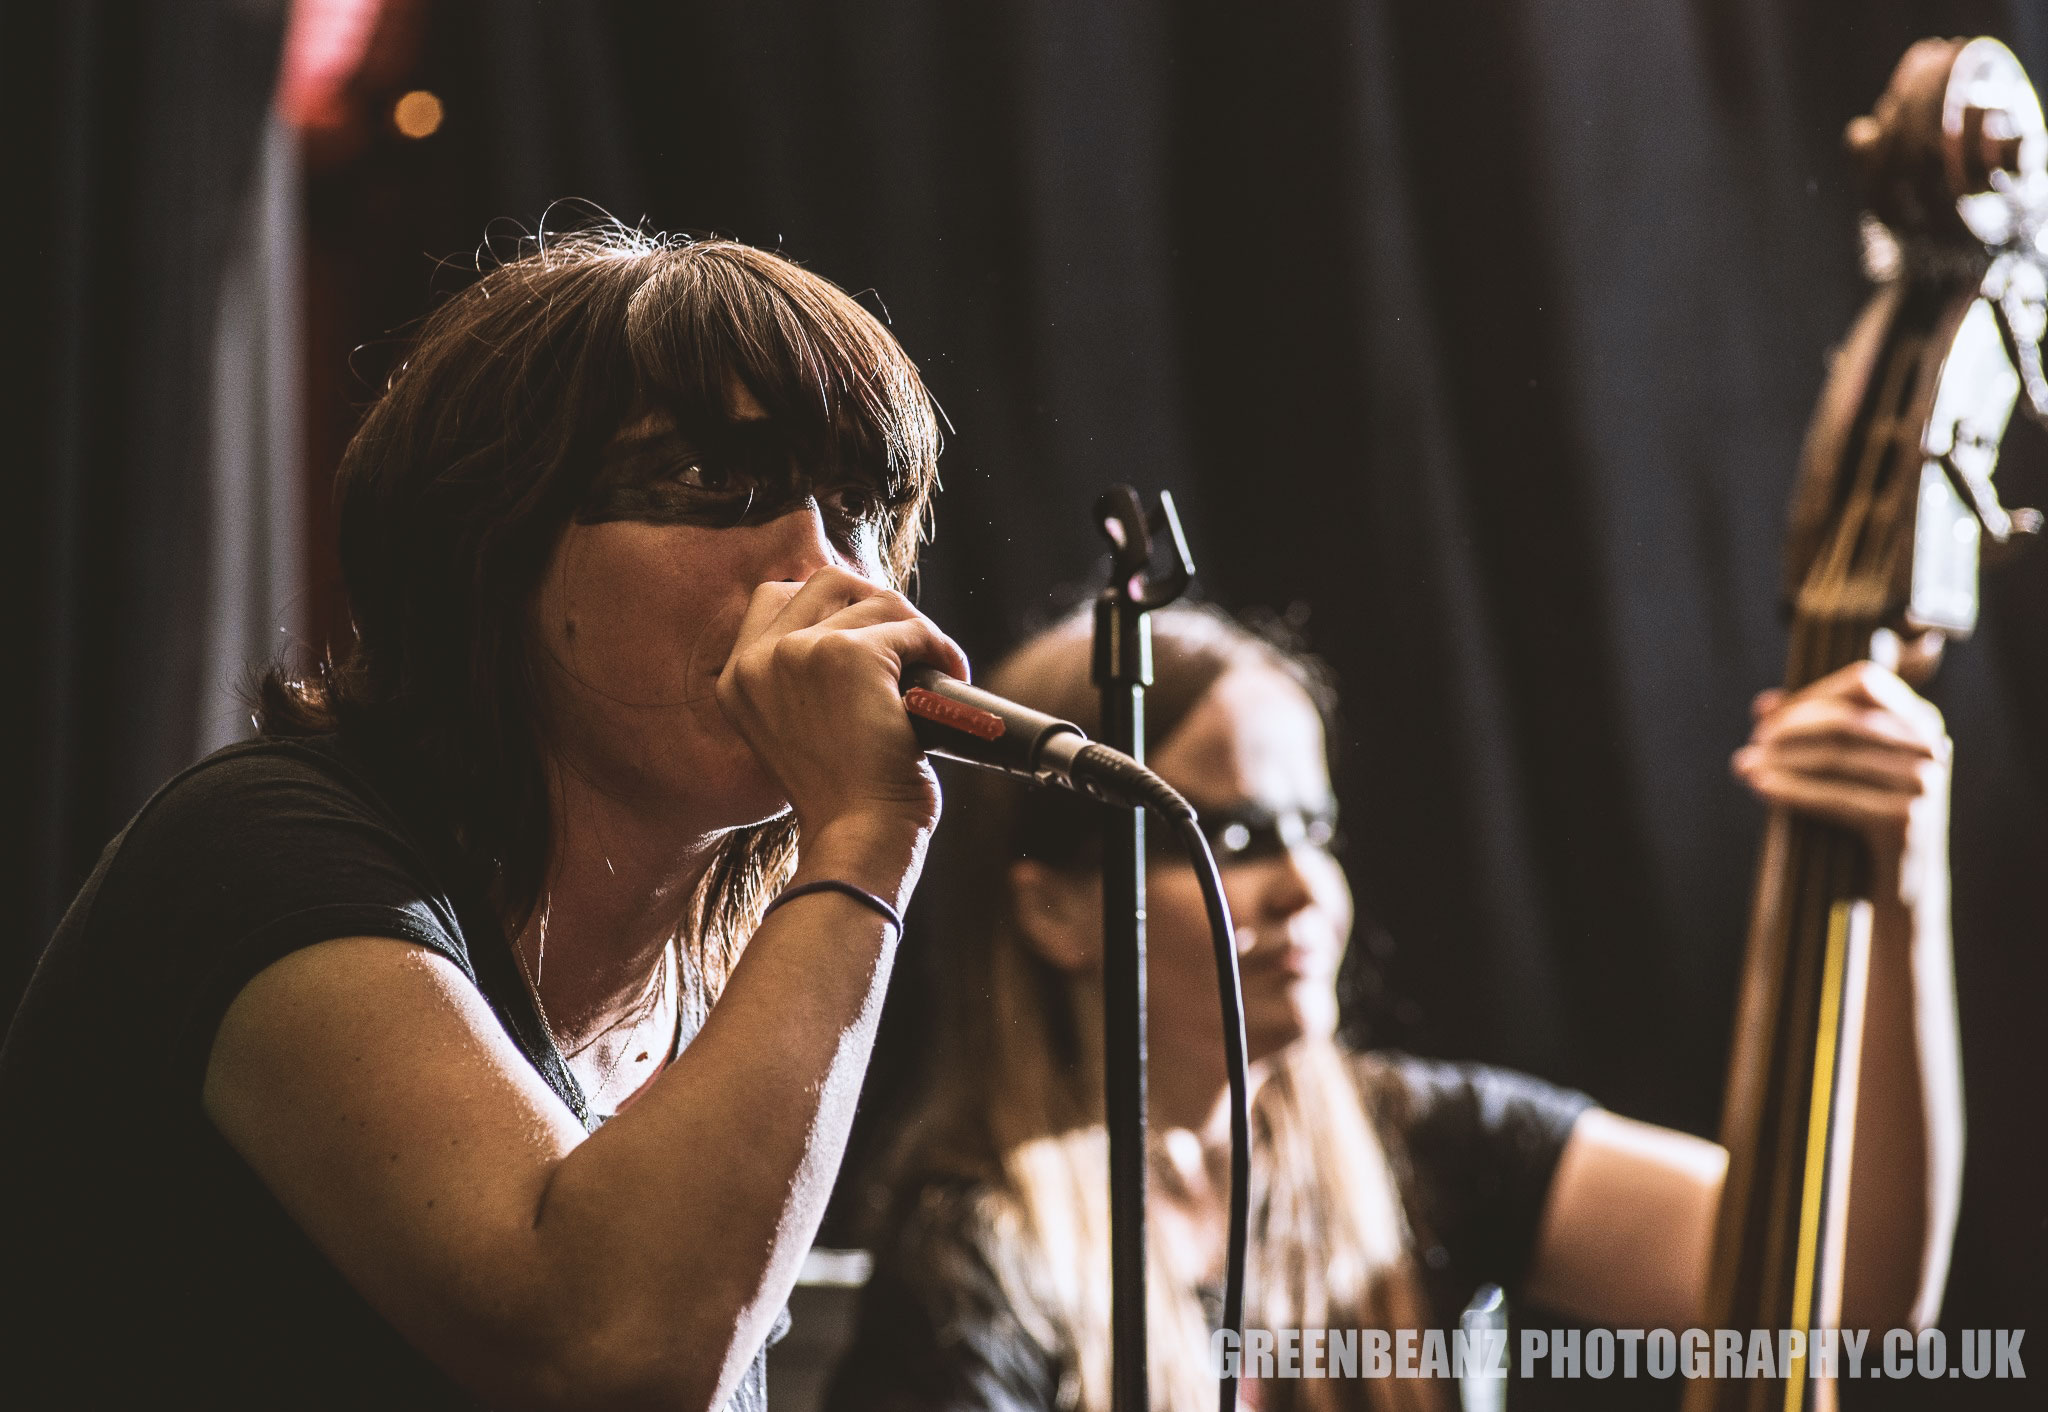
1482, 333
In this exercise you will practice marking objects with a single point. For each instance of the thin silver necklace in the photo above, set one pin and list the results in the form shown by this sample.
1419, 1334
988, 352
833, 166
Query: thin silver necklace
657, 986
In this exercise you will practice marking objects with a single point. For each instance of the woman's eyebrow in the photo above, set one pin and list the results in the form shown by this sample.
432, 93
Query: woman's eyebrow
634, 442
649, 423
1248, 809
1239, 808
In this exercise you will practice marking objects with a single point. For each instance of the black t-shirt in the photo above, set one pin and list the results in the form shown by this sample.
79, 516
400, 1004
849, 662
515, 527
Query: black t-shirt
1473, 1151
144, 1258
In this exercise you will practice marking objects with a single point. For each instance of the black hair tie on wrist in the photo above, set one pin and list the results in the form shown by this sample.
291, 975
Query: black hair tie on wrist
858, 894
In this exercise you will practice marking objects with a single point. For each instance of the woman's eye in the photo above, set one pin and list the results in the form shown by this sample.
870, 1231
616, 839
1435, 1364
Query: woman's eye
853, 502
713, 480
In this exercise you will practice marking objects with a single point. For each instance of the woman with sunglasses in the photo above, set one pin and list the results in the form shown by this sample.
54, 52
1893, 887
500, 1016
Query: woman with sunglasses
438, 1048
1385, 1188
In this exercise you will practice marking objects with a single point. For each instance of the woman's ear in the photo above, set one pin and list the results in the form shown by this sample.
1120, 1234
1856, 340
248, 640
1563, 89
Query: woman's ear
1059, 915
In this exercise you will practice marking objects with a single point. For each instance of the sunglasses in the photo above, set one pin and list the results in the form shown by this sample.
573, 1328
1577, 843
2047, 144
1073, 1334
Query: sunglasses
1247, 833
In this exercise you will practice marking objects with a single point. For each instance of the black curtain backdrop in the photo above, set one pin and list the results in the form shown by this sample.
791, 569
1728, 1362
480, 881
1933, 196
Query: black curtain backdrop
132, 138
1482, 333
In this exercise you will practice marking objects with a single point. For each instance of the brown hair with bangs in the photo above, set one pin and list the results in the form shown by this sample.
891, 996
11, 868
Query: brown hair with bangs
465, 471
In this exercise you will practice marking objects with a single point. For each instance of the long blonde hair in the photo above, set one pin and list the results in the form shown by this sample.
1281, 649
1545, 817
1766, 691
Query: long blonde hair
1015, 1103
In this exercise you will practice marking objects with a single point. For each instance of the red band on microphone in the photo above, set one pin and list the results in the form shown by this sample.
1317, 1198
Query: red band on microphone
984, 725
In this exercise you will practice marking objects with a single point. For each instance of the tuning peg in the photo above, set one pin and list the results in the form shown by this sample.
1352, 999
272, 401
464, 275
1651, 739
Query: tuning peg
1990, 142
1999, 524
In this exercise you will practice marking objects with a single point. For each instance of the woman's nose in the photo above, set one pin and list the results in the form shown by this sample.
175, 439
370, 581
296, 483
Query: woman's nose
796, 543
1285, 886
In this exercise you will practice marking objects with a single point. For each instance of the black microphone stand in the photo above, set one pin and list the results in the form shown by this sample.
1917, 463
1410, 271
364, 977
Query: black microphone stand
1122, 670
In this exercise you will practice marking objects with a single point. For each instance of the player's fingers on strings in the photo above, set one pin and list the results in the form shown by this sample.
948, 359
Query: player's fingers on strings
1834, 717
1846, 760
1856, 806
1874, 685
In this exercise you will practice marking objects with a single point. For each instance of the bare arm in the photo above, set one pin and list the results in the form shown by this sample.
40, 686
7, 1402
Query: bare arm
1861, 749
373, 1091
1628, 1227
1627, 1232
369, 1085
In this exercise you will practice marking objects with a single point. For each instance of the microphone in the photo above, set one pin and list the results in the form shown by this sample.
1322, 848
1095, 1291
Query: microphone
955, 721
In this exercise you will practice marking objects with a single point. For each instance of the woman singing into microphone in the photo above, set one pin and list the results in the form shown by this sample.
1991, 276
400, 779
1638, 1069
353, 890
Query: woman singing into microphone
433, 1049
1384, 1188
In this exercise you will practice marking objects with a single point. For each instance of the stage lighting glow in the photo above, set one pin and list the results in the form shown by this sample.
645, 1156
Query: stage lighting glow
417, 114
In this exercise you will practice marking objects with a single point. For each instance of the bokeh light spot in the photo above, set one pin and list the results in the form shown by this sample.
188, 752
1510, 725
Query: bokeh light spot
417, 114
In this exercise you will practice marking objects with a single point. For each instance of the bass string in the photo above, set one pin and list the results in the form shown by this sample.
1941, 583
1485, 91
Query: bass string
1824, 866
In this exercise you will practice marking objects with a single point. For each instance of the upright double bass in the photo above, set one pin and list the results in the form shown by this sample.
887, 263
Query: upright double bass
1894, 508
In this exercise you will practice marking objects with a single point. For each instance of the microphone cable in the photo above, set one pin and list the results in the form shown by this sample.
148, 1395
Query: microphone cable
1095, 763
957, 721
